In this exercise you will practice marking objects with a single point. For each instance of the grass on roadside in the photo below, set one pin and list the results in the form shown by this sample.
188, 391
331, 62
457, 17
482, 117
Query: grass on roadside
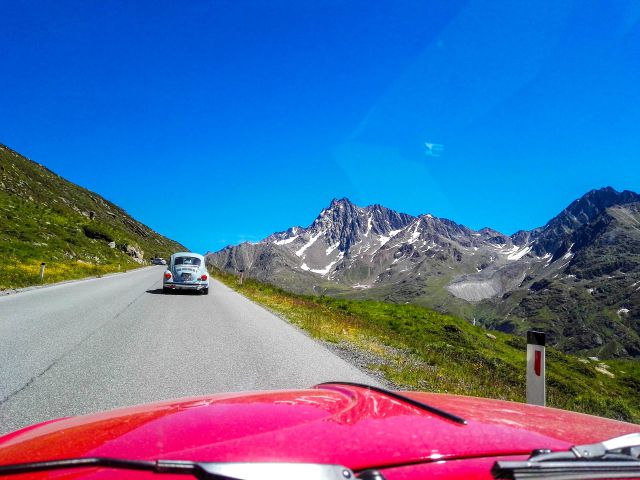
17, 275
421, 349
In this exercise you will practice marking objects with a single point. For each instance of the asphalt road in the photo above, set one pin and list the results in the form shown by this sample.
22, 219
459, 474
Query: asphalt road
103, 343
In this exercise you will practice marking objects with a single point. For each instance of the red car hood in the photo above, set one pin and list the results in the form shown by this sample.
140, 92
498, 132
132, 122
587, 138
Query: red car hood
347, 425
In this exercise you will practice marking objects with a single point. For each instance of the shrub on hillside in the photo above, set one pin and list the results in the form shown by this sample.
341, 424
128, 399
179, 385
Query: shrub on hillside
96, 232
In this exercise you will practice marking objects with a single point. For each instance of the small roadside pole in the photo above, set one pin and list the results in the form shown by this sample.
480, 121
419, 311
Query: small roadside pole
42, 265
536, 394
241, 276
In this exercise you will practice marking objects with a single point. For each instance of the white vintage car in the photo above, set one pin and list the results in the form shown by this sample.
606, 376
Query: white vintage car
186, 271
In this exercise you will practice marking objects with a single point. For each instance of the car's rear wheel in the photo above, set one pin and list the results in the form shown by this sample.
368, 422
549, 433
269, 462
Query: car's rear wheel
166, 290
205, 291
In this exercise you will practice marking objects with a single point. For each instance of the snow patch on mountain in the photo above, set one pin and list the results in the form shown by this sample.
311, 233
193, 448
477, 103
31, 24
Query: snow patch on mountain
331, 248
306, 246
285, 241
518, 254
327, 269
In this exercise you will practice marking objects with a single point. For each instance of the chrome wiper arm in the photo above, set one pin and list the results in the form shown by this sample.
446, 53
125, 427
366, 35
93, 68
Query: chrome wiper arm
200, 470
614, 458
622, 443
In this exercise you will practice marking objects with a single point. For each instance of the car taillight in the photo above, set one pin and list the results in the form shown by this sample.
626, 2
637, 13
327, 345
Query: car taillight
167, 275
203, 277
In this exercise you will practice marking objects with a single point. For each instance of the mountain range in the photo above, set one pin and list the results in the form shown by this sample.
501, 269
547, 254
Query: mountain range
577, 277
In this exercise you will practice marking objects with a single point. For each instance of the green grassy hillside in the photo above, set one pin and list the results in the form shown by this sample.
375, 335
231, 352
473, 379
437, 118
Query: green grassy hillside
77, 233
417, 348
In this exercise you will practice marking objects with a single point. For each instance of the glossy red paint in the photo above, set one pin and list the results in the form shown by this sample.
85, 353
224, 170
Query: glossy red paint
347, 425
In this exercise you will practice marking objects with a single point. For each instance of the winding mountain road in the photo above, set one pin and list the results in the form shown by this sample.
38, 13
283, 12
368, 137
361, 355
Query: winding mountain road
102, 343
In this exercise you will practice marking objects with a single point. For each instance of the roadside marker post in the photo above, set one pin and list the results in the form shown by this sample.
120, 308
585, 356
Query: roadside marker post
42, 265
536, 390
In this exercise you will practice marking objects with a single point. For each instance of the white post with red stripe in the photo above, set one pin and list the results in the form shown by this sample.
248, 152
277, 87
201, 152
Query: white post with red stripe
536, 394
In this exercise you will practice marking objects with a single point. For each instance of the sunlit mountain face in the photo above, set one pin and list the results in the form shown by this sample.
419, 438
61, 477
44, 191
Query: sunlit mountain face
578, 276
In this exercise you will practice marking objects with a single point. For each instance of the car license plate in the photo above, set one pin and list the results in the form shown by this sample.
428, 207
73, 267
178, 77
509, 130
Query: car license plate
186, 276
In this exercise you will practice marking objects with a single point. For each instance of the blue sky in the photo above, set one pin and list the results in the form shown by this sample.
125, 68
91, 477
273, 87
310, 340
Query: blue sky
216, 122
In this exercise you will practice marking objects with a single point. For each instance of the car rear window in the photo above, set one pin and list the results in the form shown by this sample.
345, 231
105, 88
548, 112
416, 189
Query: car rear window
187, 261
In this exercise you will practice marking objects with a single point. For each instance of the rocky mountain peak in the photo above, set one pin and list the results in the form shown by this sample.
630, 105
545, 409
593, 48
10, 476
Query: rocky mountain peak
336, 212
561, 229
385, 220
593, 203
339, 223
345, 223
338, 202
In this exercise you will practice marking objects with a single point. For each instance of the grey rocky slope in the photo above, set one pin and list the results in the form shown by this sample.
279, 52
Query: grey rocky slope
575, 277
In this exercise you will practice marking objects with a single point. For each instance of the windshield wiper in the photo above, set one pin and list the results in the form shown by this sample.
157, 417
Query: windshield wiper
615, 458
200, 470
421, 405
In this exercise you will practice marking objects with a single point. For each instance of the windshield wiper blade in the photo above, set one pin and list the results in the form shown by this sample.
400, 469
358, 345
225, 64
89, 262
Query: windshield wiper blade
200, 470
389, 393
17, 468
614, 458
569, 470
